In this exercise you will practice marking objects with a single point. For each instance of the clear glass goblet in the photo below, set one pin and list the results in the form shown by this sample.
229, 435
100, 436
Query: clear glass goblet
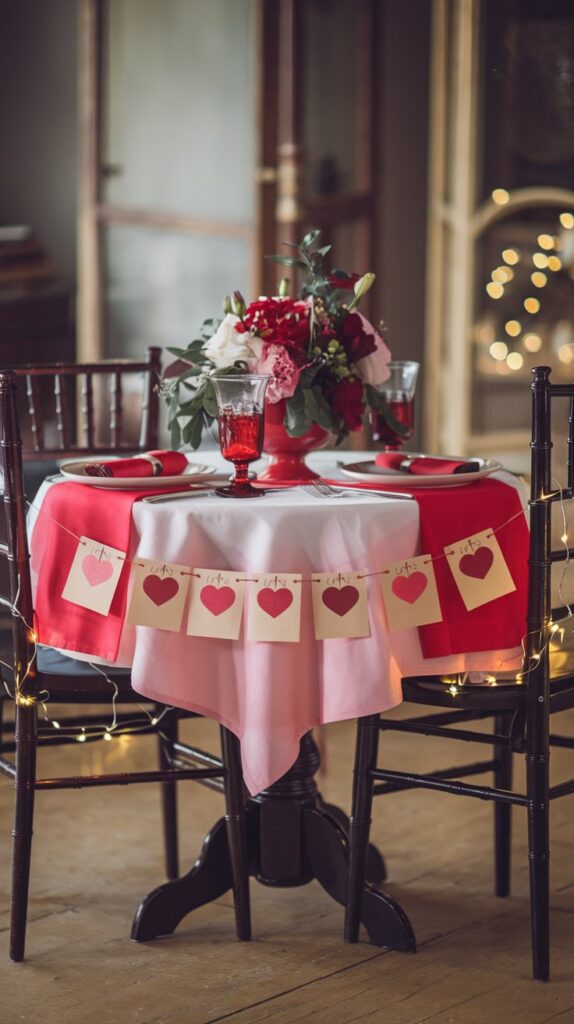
399, 395
241, 418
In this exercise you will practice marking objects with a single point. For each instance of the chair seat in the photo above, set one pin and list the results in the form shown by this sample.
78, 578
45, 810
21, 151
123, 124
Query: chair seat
53, 662
507, 695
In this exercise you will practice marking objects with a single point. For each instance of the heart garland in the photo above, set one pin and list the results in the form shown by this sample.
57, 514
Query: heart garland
274, 602
409, 588
96, 570
217, 599
160, 590
477, 564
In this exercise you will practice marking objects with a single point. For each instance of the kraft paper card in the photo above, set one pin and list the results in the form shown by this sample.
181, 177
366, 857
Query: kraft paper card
479, 569
340, 606
158, 594
274, 607
216, 604
410, 593
94, 575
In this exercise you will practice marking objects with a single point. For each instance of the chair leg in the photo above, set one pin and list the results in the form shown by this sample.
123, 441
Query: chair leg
537, 787
26, 735
502, 812
169, 727
236, 823
360, 821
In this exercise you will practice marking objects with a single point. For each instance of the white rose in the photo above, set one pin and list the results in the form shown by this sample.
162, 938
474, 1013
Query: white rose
227, 346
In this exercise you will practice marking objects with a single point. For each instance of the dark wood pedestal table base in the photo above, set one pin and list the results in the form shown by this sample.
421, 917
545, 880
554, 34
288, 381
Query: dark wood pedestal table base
293, 838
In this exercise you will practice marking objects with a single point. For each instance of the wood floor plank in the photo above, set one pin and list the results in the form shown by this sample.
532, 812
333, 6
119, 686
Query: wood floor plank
96, 853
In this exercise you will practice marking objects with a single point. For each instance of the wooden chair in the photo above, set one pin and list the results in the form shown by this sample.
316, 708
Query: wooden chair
75, 683
520, 710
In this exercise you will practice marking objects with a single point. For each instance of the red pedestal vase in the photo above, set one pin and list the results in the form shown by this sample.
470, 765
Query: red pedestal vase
287, 454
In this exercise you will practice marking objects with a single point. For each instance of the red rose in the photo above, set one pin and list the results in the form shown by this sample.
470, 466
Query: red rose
280, 322
355, 340
345, 282
346, 401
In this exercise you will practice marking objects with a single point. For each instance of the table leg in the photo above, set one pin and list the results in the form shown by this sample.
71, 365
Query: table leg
293, 837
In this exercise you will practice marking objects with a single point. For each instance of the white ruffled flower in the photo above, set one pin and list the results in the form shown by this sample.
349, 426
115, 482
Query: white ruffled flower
227, 346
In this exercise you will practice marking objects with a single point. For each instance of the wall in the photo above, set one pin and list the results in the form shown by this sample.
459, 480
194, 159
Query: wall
38, 122
38, 140
403, 81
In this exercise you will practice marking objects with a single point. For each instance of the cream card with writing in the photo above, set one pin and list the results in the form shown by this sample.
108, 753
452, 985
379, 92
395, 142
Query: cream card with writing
274, 608
216, 604
94, 575
340, 607
410, 594
480, 571
158, 594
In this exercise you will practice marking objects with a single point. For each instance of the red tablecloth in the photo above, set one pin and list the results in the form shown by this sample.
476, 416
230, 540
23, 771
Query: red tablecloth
69, 511
448, 514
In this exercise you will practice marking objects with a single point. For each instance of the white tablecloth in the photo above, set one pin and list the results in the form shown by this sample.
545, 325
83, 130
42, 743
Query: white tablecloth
270, 694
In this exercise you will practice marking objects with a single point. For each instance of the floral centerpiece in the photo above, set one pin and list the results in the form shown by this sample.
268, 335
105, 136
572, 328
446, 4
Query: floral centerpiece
324, 358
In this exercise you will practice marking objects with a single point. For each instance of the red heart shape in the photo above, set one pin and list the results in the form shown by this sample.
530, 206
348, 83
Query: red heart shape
96, 570
274, 602
159, 591
340, 600
477, 564
217, 599
409, 588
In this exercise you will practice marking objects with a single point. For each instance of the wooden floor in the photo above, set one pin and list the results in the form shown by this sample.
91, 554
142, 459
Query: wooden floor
96, 853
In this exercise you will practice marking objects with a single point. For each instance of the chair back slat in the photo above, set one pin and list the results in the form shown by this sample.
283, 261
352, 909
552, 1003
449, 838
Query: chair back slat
34, 411
63, 417
149, 431
88, 410
83, 409
116, 409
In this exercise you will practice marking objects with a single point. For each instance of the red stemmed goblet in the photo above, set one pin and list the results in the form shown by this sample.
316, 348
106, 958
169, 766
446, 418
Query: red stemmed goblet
241, 417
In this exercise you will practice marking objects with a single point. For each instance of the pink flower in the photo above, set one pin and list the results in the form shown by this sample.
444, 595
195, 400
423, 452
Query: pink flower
373, 369
276, 361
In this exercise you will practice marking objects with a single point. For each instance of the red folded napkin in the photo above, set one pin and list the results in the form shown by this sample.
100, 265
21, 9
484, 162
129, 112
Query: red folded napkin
426, 466
69, 511
448, 514
155, 463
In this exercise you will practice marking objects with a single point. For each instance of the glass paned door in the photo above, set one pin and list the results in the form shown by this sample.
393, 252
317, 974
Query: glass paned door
176, 192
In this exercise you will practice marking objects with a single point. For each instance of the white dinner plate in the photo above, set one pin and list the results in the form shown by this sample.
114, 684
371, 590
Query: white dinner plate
77, 471
370, 471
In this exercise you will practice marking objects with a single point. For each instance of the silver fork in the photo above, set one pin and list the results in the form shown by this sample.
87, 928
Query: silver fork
319, 489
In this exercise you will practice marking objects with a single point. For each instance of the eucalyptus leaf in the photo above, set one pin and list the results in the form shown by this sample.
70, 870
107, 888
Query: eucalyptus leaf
175, 433
296, 421
310, 238
288, 261
210, 404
